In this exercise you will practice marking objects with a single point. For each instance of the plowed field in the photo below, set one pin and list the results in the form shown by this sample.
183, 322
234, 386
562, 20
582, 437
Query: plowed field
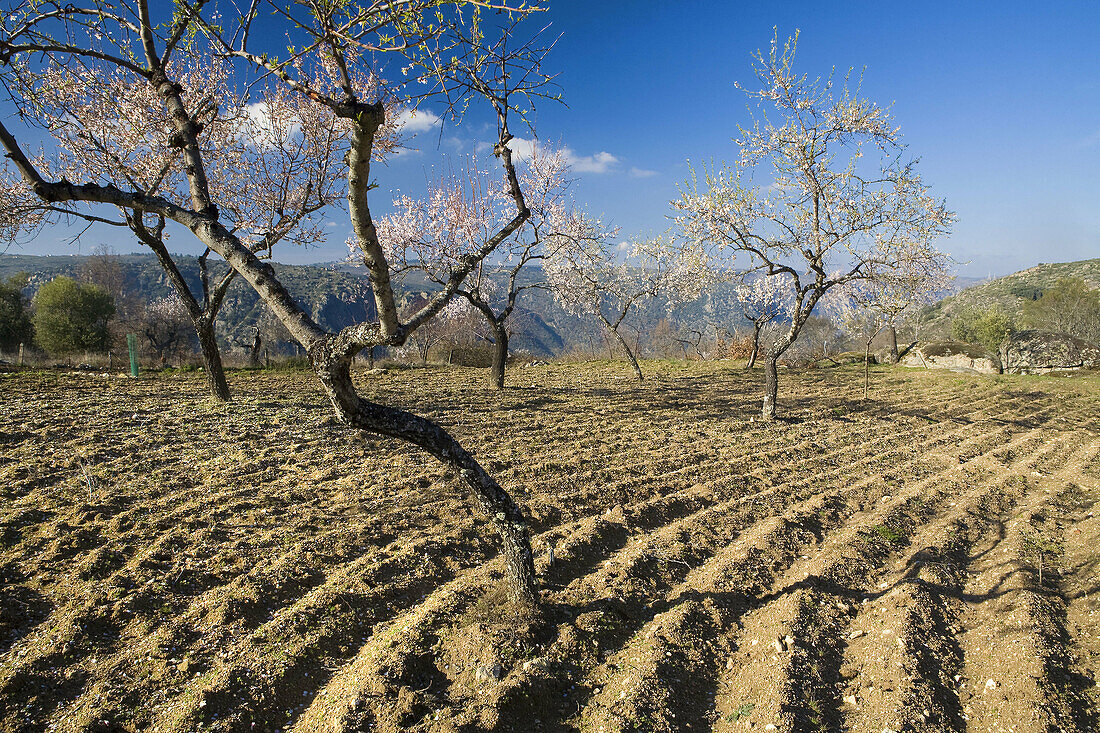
925, 560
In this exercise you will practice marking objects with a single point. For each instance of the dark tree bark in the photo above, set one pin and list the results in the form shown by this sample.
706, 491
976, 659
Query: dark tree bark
212, 359
503, 513
500, 355
756, 328
771, 384
805, 300
254, 351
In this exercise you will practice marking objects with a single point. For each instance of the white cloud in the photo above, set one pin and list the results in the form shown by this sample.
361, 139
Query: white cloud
266, 132
642, 173
522, 148
413, 121
601, 162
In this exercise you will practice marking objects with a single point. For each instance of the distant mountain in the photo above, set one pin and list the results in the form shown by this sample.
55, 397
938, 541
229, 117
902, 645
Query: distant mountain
338, 294
1010, 292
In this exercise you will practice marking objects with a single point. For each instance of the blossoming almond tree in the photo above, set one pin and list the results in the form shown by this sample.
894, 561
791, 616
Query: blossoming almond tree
21, 212
435, 233
764, 300
866, 308
822, 215
273, 161
346, 45
589, 277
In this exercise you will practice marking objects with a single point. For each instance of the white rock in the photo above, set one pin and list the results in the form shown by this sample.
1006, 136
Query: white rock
538, 664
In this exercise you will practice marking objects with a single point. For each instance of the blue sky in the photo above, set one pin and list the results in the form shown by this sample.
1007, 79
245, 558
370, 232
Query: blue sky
1000, 101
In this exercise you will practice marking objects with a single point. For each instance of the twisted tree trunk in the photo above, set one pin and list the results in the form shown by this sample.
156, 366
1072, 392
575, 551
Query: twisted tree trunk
756, 327
503, 513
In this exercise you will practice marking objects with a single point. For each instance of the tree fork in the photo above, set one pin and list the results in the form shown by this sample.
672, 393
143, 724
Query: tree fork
497, 505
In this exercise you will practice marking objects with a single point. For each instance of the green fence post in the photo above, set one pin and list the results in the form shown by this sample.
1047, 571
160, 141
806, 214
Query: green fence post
131, 342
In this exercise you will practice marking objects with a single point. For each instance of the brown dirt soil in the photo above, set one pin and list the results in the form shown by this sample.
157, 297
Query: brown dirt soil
926, 560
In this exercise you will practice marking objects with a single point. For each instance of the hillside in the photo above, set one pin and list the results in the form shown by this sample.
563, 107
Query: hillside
1009, 292
334, 299
338, 294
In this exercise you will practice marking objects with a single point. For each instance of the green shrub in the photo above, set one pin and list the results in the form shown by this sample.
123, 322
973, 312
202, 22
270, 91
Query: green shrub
70, 317
1069, 306
988, 328
15, 320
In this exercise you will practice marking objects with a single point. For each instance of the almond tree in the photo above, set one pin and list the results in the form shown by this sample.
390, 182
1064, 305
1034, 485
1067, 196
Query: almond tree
21, 212
454, 317
435, 233
825, 216
866, 308
589, 277
764, 301
164, 324
346, 47
273, 160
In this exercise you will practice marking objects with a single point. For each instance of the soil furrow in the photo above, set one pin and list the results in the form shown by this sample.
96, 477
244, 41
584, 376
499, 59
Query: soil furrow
1019, 669
798, 636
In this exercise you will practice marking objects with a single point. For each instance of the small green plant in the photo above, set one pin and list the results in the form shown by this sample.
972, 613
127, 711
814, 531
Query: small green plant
888, 533
1042, 552
741, 711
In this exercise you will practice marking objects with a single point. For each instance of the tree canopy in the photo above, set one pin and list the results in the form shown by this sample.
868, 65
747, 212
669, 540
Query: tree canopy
71, 317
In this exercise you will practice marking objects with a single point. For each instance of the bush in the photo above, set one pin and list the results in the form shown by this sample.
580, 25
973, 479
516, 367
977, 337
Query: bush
738, 347
70, 317
291, 364
15, 320
1069, 307
988, 328
473, 355
1026, 292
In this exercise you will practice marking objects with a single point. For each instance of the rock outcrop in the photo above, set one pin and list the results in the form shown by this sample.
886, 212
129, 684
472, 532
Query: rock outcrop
953, 355
1038, 352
